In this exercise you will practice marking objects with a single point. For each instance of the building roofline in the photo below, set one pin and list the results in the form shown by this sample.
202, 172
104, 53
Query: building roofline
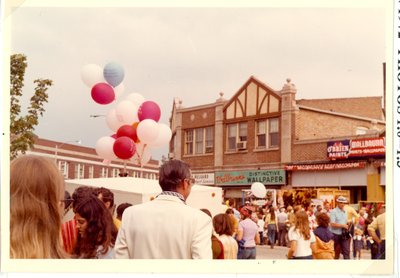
341, 114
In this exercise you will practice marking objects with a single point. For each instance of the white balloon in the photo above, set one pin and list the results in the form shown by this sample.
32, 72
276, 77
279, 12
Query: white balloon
92, 74
112, 120
119, 90
146, 156
136, 99
147, 131
104, 148
164, 136
258, 189
142, 154
127, 112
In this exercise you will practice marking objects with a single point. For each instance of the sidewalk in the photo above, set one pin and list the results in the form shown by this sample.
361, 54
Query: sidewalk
264, 252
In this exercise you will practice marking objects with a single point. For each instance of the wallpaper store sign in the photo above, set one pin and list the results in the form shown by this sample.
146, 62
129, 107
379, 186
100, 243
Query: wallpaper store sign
248, 177
365, 147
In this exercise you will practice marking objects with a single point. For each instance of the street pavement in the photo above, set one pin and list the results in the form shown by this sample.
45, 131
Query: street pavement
264, 252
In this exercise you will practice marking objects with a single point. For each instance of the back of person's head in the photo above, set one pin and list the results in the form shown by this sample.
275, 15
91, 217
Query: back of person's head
302, 224
206, 211
36, 209
121, 208
172, 173
245, 211
229, 211
105, 195
81, 192
100, 228
67, 201
223, 224
231, 202
323, 220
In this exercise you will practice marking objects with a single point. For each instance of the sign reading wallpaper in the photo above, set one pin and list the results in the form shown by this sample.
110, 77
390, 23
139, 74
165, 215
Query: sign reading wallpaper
248, 177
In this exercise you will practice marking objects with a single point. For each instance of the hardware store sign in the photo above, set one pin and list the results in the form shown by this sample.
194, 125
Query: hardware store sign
248, 177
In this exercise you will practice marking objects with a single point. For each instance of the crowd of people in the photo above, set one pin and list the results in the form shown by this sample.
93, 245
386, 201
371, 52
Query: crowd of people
166, 228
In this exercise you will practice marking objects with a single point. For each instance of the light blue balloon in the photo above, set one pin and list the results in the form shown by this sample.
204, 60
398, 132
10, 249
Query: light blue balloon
113, 73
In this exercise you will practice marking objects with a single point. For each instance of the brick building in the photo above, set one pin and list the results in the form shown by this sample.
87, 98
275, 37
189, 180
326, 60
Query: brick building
267, 135
79, 162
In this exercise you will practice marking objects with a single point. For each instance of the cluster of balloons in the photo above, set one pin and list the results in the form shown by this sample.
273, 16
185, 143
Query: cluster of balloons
258, 189
134, 120
106, 84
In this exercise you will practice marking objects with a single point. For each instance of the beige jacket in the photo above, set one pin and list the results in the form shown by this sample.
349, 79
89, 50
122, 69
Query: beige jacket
164, 228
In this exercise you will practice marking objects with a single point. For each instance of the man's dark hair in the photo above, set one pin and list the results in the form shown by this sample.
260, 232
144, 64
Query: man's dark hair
121, 208
106, 195
172, 173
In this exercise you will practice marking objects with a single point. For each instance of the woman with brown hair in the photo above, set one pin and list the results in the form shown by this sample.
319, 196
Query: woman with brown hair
324, 244
223, 227
302, 239
96, 230
36, 209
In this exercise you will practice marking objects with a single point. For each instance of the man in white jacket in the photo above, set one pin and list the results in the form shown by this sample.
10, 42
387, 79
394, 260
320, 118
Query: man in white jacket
166, 228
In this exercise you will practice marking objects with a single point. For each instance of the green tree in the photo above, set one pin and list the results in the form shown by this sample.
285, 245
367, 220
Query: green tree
22, 128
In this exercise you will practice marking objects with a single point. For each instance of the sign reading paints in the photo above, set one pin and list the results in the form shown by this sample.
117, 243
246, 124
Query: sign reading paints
248, 177
356, 148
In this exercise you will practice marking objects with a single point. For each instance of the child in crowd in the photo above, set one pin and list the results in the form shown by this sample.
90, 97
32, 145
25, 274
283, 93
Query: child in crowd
358, 242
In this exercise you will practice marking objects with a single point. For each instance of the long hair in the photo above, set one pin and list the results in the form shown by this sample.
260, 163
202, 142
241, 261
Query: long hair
223, 224
272, 213
36, 190
302, 224
100, 230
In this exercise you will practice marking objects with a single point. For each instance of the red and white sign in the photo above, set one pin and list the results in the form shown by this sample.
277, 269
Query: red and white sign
324, 167
367, 147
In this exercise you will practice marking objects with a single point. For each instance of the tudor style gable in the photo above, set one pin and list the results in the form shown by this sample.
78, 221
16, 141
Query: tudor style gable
253, 100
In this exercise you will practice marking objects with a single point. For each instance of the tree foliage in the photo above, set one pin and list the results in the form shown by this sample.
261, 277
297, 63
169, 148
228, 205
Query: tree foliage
22, 126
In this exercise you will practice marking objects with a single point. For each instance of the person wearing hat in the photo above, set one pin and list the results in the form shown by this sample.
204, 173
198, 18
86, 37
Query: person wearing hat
338, 217
247, 231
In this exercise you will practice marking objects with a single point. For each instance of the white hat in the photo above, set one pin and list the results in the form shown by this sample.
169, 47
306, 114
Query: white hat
341, 199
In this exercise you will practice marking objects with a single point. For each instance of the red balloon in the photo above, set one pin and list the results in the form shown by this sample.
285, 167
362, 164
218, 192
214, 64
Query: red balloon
149, 110
124, 147
128, 131
102, 93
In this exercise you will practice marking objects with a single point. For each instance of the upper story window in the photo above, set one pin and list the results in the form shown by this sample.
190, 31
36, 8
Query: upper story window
91, 172
267, 133
115, 172
104, 172
79, 171
63, 167
361, 130
199, 140
237, 136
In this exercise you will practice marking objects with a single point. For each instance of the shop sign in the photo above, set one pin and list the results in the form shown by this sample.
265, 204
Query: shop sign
324, 167
204, 178
248, 177
338, 149
366, 147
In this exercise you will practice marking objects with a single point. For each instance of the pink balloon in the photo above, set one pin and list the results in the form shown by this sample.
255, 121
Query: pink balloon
102, 93
124, 147
149, 110
114, 136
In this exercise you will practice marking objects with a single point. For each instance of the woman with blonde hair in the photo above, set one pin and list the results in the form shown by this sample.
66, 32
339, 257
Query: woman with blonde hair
36, 209
302, 239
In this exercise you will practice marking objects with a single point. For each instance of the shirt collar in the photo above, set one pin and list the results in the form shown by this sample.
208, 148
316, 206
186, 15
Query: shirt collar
173, 193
